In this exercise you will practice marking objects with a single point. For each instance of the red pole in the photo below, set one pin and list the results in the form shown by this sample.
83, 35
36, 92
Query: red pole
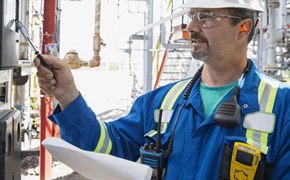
46, 126
164, 59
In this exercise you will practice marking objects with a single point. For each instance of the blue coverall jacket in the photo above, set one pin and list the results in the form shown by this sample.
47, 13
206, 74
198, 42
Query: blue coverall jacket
198, 141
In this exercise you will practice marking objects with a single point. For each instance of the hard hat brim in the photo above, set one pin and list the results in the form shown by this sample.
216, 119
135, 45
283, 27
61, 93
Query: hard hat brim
254, 5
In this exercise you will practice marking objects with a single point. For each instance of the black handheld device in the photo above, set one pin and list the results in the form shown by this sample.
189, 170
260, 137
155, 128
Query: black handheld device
152, 153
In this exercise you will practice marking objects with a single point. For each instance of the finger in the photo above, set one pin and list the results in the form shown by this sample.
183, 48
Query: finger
54, 62
41, 68
47, 82
44, 76
46, 86
36, 62
46, 90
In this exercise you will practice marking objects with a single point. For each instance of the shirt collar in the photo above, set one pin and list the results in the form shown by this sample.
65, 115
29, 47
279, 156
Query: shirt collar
248, 96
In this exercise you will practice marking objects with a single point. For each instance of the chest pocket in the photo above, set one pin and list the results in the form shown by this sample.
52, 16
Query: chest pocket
167, 106
266, 97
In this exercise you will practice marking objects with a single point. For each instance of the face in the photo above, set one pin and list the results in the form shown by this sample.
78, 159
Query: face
212, 35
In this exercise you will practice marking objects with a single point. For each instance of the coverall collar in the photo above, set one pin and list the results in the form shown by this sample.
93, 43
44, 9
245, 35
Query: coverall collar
247, 99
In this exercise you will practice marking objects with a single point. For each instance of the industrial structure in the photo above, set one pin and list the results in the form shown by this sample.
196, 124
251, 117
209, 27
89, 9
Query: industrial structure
164, 57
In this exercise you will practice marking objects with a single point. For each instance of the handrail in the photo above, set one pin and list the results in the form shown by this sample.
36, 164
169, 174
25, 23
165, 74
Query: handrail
163, 20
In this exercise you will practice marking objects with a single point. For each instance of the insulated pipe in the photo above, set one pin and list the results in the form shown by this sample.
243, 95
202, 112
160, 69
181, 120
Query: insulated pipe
24, 18
272, 6
97, 39
148, 44
283, 12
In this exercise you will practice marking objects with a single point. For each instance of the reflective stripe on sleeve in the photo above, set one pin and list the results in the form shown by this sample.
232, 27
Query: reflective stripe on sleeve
105, 144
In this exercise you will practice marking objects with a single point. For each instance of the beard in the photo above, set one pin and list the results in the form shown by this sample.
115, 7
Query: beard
202, 55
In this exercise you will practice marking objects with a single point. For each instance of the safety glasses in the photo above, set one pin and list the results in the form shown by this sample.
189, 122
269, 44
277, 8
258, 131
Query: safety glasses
209, 19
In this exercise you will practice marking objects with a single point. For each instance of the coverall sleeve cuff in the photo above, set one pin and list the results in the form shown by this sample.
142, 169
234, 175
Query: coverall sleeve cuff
67, 115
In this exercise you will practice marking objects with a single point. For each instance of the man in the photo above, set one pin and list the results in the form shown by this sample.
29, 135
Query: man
201, 139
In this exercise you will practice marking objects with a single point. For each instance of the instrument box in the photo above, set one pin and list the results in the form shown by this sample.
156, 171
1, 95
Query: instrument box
10, 145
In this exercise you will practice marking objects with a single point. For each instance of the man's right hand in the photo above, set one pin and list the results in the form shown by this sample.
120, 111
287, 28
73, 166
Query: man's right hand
57, 80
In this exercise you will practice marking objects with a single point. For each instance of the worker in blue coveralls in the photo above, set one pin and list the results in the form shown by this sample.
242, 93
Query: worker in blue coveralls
229, 121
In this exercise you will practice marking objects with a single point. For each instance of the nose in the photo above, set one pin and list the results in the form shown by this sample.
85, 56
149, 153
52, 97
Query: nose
193, 26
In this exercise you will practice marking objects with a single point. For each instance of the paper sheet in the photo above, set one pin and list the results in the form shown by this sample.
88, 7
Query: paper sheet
94, 165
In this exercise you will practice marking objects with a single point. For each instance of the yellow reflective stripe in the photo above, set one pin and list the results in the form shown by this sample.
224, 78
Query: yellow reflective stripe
264, 137
167, 97
168, 102
164, 127
150, 133
257, 139
267, 92
263, 148
108, 150
271, 100
249, 134
171, 98
176, 95
105, 144
265, 97
173, 94
260, 90
102, 137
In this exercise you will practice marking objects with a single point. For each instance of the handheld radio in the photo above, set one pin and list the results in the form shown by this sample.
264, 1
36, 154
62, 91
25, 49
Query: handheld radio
152, 154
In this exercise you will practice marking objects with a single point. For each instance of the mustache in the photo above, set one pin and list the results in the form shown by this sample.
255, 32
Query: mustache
195, 35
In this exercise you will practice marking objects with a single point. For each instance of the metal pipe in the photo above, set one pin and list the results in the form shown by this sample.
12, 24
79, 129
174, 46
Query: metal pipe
97, 38
283, 12
24, 18
148, 44
271, 58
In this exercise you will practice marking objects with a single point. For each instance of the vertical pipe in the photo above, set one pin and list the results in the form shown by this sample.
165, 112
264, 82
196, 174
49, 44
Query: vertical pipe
281, 15
272, 6
97, 38
46, 127
24, 18
263, 47
271, 41
148, 44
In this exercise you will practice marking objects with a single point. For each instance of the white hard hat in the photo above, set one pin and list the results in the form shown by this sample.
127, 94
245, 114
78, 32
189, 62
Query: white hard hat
256, 5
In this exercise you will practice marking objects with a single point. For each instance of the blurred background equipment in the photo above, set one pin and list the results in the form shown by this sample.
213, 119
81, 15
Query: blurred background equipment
142, 44
10, 119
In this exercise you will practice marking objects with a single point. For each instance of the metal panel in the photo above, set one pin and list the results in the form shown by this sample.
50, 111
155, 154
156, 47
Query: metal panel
10, 145
8, 36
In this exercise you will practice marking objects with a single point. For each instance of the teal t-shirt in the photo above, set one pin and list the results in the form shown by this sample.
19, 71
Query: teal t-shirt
211, 96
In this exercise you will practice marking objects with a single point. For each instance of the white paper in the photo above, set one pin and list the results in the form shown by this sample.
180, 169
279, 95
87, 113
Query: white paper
94, 165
